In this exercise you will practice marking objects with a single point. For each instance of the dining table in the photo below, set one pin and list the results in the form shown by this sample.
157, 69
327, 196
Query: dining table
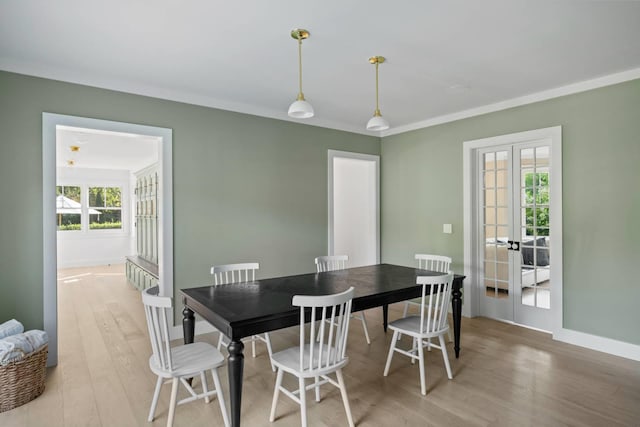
245, 309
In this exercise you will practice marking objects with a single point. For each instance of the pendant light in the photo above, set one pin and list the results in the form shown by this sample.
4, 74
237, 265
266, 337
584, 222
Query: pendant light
377, 122
300, 108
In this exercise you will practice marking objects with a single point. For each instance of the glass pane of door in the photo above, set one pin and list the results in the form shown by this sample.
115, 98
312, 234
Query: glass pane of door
495, 215
534, 234
495, 194
513, 231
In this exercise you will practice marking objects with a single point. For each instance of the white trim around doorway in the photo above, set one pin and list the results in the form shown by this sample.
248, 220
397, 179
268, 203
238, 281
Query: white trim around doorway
49, 241
471, 288
471, 299
332, 154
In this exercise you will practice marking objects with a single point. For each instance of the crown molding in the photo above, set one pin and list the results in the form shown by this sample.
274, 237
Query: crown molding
570, 89
71, 76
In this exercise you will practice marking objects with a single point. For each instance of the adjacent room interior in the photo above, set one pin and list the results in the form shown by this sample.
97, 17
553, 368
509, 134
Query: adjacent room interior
107, 220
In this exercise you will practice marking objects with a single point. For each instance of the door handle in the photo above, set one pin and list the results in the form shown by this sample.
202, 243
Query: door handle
515, 246
509, 245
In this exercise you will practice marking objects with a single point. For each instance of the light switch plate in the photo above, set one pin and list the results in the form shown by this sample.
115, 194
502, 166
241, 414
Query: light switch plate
446, 228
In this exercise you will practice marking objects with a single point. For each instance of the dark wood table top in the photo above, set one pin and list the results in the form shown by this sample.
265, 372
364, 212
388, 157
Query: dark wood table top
241, 310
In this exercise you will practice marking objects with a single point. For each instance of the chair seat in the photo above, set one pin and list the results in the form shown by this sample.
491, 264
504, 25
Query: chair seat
431, 323
289, 360
411, 326
189, 360
316, 359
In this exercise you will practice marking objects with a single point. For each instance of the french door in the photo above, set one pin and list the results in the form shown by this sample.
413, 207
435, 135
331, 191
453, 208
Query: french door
513, 201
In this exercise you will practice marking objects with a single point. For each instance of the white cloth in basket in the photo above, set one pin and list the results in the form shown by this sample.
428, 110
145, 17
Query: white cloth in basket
17, 347
10, 327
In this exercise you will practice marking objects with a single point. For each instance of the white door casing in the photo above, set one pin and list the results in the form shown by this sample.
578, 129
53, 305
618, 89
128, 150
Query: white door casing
49, 241
473, 247
512, 191
354, 207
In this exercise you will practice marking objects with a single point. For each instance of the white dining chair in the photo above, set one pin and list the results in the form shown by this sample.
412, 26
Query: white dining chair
439, 263
316, 358
234, 274
331, 263
177, 364
339, 262
431, 323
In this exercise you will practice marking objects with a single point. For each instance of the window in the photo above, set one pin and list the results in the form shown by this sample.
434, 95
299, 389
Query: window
68, 208
105, 208
79, 207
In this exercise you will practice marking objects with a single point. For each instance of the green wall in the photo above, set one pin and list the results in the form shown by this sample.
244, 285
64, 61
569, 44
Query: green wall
422, 189
245, 188
250, 188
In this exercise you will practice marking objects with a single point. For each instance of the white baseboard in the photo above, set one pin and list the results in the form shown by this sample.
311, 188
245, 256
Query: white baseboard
594, 342
202, 327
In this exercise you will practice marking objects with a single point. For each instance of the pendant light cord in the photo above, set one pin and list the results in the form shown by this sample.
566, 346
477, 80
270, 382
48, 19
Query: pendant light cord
377, 112
300, 94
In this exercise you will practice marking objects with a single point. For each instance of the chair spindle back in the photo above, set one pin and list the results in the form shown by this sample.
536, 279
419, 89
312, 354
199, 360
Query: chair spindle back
331, 263
234, 273
155, 308
434, 307
439, 263
325, 347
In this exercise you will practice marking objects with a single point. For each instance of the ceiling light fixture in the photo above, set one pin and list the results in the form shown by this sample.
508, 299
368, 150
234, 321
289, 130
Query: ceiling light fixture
74, 148
300, 108
377, 122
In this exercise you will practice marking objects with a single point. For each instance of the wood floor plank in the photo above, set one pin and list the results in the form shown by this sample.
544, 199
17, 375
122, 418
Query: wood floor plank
506, 375
79, 406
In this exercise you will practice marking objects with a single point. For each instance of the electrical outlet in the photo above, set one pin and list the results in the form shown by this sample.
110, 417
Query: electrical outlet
446, 228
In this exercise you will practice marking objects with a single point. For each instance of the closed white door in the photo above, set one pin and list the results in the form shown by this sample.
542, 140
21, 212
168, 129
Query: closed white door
514, 229
354, 207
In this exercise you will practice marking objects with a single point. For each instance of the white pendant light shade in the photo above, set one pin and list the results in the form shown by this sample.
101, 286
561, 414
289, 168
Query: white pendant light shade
377, 123
300, 109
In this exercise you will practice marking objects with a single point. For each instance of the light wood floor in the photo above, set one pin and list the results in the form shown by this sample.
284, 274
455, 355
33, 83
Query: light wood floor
506, 376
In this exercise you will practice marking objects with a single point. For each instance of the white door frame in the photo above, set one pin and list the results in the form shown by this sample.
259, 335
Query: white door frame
332, 154
471, 306
49, 241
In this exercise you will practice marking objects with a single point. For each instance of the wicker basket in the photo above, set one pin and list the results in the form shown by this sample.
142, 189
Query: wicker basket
23, 381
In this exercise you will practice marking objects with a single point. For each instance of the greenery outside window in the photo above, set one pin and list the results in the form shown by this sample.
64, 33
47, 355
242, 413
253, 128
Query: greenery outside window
105, 208
68, 207
537, 200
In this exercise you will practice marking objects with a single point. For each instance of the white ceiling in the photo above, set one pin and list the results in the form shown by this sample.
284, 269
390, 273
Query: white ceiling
444, 57
104, 149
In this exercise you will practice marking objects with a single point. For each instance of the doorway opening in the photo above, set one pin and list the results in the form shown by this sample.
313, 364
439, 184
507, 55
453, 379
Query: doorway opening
513, 228
354, 207
92, 218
